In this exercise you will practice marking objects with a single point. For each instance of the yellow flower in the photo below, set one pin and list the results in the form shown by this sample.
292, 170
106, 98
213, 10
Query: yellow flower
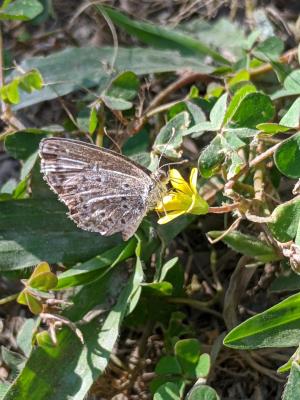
182, 199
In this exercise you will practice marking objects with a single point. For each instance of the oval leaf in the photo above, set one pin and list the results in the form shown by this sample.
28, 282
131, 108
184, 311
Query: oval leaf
247, 245
287, 157
279, 326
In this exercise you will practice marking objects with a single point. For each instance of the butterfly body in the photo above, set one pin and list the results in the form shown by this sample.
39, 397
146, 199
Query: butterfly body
104, 191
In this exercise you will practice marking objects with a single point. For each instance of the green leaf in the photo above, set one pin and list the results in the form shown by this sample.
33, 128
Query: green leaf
247, 245
236, 100
73, 68
220, 33
269, 49
115, 103
167, 391
168, 365
27, 167
241, 76
90, 270
158, 289
82, 120
282, 283
3, 389
125, 86
272, 128
157, 36
202, 392
287, 157
93, 120
212, 158
10, 92
292, 387
200, 128
22, 10
276, 327
22, 144
166, 268
75, 366
169, 138
216, 116
218, 112
292, 117
13, 360
254, 109
44, 281
39, 229
25, 334
291, 85
34, 305
236, 163
241, 133
203, 366
187, 352
43, 340
285, 367
30, 81
286, 219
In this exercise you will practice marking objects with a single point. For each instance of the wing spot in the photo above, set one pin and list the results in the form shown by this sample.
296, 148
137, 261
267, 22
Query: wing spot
123, 222
125, 206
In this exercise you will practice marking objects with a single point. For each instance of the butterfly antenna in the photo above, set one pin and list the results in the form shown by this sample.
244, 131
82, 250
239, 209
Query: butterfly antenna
114, 142
174, 163
166, 146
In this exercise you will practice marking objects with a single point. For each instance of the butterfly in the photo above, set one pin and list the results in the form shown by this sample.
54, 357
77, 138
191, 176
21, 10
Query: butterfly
104, 191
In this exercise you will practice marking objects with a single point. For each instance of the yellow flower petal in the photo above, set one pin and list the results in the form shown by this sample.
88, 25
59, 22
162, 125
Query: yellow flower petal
183, 199
170, 216
193, 180
179, 183
175, 201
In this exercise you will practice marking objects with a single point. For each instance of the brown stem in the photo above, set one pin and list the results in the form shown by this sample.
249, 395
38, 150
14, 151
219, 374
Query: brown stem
284, 59
223, 209
257, 160
186, 79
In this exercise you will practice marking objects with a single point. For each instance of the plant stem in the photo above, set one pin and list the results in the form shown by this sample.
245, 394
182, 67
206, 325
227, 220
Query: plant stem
199, 305
257, 160
284, 59
223, 209
4, 107
7, 299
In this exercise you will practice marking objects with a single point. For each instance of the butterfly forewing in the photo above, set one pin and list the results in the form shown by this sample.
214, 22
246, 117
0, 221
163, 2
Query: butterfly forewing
104, 191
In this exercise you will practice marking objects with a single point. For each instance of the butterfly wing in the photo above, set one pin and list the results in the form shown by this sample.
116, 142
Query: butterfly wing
104, 191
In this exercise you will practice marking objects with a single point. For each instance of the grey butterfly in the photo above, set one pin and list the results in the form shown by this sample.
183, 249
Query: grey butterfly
104, 191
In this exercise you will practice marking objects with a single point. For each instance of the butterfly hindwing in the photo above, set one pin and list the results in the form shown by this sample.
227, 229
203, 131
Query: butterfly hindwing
104, 191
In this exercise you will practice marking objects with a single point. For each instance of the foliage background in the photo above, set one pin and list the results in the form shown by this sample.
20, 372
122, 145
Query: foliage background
184, 293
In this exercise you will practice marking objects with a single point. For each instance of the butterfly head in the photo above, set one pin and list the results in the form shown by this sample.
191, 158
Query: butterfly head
160, 176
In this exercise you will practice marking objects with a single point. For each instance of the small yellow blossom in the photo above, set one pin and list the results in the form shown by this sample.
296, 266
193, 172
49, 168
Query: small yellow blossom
183, 198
